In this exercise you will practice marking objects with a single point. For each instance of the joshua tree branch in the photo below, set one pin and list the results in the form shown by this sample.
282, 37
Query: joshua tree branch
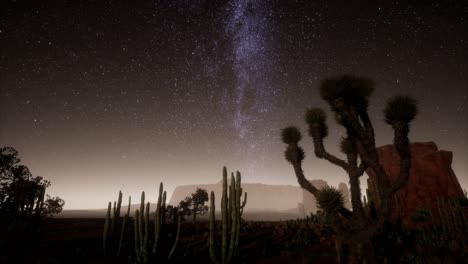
305, 184
368, 125
402, 146
320, 151
352, 123
301, 179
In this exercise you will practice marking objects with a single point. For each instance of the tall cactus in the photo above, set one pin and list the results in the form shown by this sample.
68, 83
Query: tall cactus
212, 234
230, 214
157, 220
142, 223
112, 219
142, 231
137, 235
176, 240
142, 236
124, 223
116, 212
105, 235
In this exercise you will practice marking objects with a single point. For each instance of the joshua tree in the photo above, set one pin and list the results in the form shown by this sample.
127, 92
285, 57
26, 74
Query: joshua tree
348, 98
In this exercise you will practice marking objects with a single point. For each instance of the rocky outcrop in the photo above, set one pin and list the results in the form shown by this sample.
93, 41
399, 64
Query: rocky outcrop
261, 197
431, 178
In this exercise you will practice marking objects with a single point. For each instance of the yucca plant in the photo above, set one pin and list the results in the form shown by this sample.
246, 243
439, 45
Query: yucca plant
330, 199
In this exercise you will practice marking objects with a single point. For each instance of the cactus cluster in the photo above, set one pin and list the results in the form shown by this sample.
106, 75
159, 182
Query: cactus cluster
231, 213
113, 218
142, 229
145, 246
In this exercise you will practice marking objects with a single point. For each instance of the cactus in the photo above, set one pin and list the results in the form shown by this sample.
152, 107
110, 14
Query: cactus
212, 226
230, 214
176, 241
142, 231
116, 212
142, 223
112, 219
141, 227
157, 221
137, 235
124, 223
106, 229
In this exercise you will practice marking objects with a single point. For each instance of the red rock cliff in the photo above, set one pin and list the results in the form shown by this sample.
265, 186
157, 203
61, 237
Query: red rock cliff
431, 178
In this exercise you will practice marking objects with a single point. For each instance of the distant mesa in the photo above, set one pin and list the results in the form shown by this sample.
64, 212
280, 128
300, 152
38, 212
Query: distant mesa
431, 178
263, 197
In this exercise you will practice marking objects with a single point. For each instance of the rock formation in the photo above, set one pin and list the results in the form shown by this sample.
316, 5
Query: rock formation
431, 178
263, 197
260, 196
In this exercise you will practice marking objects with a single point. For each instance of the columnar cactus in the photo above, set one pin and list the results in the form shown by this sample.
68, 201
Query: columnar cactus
142, 237
231, 219
142, 222
124, 223
116, 212
112, 219
105, 236
157, 219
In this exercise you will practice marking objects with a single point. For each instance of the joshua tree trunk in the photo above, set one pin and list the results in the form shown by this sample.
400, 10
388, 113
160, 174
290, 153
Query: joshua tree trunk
356, 196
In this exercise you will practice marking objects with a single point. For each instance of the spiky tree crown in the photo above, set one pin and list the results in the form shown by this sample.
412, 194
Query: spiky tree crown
347, 145
329, 199
400, 109
294, 154
316, 118
353, 90
291, 135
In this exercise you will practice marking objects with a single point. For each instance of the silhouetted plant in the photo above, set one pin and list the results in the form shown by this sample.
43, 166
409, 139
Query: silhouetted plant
146, 247
330, 199
24, 206
184, 207
21, 194
198, 207
348, 98
230, 229
112, 240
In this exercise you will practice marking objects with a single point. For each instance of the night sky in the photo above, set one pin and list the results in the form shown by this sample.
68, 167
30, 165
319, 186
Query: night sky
99, 96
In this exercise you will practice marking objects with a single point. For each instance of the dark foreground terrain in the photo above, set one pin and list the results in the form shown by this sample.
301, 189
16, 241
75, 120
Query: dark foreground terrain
80, 241
305, 241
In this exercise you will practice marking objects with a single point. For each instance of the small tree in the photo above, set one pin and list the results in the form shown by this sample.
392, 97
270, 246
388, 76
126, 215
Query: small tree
184, 207
194, 205
199, 198
23, 205
21, 194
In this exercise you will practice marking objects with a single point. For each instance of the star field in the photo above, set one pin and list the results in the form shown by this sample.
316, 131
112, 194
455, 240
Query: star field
99, 96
